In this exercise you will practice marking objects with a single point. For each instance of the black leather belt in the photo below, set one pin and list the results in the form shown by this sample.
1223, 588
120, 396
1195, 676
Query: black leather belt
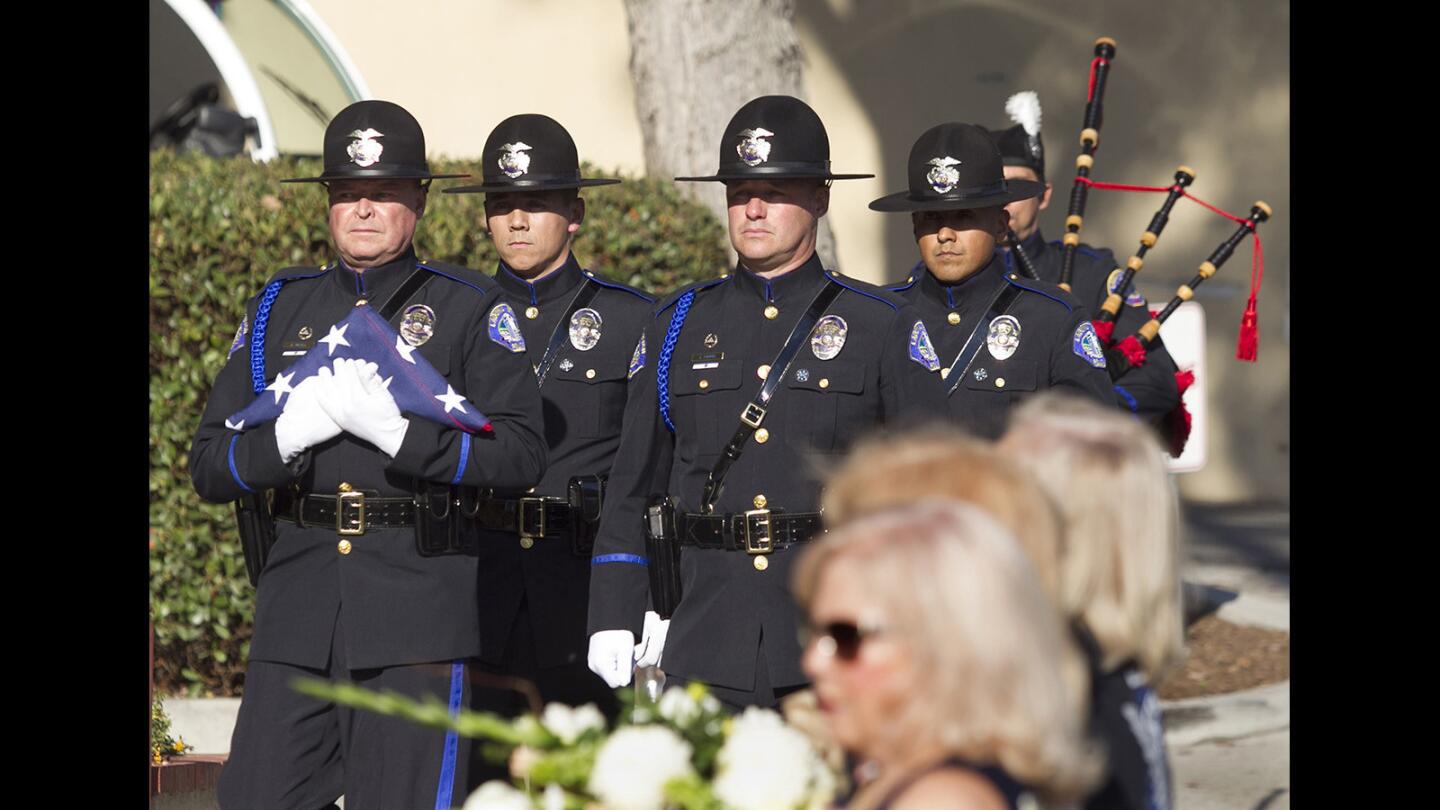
755, 532
349, 512
528, 517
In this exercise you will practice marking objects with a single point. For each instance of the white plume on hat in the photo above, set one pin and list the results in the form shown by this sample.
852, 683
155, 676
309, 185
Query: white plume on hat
1024, 109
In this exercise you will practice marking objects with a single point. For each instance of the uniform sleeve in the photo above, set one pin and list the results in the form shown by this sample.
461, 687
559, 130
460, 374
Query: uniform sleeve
619, 573
910, 392
502, 385
1070, 371
1149, 390
227, 464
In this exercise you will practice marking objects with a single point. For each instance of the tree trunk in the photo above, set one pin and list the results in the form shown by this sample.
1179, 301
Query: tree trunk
694, 63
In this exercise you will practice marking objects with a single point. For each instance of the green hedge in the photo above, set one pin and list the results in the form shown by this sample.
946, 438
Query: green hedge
218, 230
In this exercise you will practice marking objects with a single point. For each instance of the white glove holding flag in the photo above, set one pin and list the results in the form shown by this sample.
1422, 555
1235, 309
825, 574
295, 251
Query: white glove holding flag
304, 422
361, 404
652, 640
612, 656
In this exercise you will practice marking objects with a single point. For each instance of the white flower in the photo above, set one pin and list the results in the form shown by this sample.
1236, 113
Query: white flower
568, 724
496, 795
554, 797
632, 767
765, 764
677, 706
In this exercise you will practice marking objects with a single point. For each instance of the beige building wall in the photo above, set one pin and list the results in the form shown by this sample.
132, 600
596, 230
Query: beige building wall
1203, 84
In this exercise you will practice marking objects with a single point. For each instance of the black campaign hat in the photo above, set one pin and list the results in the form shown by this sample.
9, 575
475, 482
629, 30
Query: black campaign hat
775, 138
956, 166
374, 140
530, 152
1021, 144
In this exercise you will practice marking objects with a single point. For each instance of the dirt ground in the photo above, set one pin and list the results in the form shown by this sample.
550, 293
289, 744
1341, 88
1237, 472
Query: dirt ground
1227, 657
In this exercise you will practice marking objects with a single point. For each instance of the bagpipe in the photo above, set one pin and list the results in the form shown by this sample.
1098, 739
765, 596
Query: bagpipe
1089, 142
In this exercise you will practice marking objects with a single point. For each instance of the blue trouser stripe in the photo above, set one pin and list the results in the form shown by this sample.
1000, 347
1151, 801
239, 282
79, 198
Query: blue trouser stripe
452, 740
464, 458
234, 472
618, 558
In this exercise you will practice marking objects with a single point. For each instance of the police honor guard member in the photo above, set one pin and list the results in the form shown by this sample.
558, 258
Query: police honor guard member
371, 577
761, 379
583, 336
997, 337
1149, 390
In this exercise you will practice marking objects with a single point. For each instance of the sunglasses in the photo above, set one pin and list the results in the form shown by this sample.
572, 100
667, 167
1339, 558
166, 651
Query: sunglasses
837, 639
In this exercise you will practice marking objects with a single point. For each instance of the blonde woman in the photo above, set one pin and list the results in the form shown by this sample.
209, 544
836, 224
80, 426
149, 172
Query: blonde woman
933, 650
1119, 576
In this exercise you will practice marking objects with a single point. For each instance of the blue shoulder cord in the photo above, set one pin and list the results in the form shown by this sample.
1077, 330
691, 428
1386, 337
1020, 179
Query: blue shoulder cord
662, 366
257, 336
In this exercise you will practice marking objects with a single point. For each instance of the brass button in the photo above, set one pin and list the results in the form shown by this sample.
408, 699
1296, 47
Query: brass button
760, 501
345, 487
824, 382
999, 382
1013, 276
762, 435
953, 318
362, 302
589, 373
761, 562
530, 491
724, 275
909, 279
944, 372
532, 312
771, 313
763, 371
344, 546
704, 384
527, 542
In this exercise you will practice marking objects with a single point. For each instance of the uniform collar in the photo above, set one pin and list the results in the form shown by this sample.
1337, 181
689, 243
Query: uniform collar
557, 285
375, 283
796, 283
979, 283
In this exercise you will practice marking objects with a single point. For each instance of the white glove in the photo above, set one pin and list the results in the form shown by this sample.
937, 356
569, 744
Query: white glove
612, 656
362, 406
652, 640
304, 422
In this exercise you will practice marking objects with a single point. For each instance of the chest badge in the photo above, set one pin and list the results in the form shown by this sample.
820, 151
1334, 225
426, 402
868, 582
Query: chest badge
513, 160
942, 177
417, 325
365, 150
306, 333
1087, 345
585, 329
1004, 337
505, 329
566, 365
637, 360
802, 375
712, 340
922, 350
754, 149
828, 337
981, 374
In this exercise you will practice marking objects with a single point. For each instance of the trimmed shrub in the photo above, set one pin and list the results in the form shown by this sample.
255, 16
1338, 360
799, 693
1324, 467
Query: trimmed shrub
218, 230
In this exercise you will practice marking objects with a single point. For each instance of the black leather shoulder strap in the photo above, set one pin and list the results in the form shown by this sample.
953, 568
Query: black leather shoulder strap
587, 292
418, 278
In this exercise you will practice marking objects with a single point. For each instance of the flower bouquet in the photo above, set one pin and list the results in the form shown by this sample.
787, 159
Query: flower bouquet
681, 751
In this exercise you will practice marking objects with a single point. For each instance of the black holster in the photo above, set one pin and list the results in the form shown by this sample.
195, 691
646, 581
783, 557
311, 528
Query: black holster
257, 531
445, 520
662, 548
586, 494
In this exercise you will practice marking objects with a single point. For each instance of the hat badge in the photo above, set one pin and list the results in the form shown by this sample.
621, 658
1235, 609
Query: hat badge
942, 177
365, 151
754, 150
513, 160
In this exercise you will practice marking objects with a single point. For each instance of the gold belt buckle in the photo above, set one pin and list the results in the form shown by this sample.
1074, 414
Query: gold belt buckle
350, 513
539, 507
758, 541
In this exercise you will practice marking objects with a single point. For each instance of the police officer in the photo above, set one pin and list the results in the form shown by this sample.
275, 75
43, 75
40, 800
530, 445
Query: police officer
583, 335
1001, 337
762, 378
361, 585
1149, 390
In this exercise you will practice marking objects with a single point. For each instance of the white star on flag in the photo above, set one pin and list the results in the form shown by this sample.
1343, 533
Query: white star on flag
335, 338
235, 425
451, 399
281, 386
405, 350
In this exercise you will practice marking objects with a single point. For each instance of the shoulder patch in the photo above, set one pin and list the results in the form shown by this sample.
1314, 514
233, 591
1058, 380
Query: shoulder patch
612, 285
696, 286
922, 350
505, 329
1086, 345
239, 335
1112, 284
637, 360
855, 287
1039, 287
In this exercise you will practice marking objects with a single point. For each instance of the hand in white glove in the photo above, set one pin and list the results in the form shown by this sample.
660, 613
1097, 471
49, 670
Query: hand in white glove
362, 406
304, 422
652, 640
612, 656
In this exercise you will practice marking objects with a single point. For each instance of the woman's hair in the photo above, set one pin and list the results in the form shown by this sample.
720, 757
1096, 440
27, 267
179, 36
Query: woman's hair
940, 462
987, 646
1120, 572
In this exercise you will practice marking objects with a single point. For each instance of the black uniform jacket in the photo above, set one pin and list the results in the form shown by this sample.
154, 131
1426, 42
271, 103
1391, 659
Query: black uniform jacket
397, 607
1149, 390
1125, 715
729, 609
1047, 355
584, 396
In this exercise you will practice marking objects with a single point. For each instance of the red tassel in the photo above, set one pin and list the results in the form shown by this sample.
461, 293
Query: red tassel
1104, 330
1154, 313
489, 428
1248, 345
1133, 351
1183, 380
1178, 426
